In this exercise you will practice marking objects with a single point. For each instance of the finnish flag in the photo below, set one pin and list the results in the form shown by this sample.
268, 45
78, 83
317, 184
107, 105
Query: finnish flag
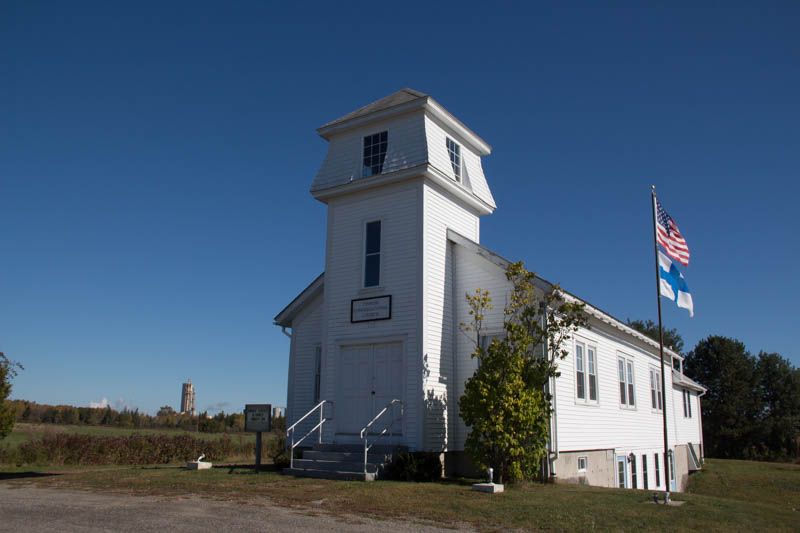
673, 286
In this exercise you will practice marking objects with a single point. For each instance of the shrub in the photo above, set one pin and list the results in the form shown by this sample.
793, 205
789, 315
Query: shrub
74, 449
415, 466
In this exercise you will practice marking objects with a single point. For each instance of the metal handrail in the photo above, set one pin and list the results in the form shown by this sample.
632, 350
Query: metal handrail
365, 430
290, 430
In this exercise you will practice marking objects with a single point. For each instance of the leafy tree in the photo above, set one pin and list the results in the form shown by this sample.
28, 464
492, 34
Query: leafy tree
672, 339
779, 395
8, 370
731, 408
504, 402
166, 410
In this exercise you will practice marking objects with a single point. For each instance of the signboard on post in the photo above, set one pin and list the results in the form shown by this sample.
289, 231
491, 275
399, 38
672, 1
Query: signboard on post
258, 418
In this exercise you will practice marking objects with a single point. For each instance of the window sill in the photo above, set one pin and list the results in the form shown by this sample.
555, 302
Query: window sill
371, 290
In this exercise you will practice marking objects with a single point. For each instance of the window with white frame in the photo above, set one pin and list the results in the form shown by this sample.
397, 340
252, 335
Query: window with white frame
583, 462
658, 469
317, 372
585, 372
374, 153
687, 403
627, 397
644, 471
655, 389
454, 150
372, 254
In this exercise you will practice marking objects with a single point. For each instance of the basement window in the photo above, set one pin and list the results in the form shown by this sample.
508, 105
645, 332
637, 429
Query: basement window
454, 150
582, 462
374, 153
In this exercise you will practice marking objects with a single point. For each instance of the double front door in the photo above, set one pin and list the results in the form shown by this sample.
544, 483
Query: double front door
370, 376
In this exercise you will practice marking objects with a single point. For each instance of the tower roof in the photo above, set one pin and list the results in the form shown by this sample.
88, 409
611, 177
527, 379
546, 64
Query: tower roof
400, 97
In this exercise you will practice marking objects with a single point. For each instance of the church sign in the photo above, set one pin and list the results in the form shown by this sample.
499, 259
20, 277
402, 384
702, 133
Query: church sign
257, 417
369, 309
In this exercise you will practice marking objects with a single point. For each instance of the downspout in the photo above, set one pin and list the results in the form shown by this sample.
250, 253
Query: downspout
283, 330
700, 419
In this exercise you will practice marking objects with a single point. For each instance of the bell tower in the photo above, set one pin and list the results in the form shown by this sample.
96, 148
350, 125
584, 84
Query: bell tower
399, 174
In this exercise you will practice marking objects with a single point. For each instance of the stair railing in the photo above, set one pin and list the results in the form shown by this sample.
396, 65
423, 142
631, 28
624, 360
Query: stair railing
386, 429
291, 429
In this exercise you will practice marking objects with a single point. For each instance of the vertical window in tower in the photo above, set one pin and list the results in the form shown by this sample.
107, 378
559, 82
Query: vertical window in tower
372, 257
454, 151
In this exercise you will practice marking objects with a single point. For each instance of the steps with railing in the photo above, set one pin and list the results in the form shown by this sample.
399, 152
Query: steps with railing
363, 462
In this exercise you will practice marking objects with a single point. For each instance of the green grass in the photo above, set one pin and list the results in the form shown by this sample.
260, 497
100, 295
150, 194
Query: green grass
23, 432
728, 495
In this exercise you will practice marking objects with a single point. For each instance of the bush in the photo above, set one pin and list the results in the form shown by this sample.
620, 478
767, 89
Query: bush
275, 448
415, 466
73, 449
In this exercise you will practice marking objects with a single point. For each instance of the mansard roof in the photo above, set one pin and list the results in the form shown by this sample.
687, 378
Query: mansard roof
400, 97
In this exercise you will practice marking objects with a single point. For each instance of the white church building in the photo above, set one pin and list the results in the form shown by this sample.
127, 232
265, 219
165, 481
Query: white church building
377, 358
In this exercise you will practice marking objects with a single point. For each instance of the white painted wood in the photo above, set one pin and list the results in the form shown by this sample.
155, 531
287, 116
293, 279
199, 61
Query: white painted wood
306, 336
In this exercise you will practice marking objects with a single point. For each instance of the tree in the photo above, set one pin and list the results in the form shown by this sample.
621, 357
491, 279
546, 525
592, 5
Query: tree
166, 410
504, 402
672, 339
731, 408
779, 395
8, 370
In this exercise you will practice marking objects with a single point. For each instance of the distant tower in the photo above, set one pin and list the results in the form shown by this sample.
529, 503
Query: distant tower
187, 398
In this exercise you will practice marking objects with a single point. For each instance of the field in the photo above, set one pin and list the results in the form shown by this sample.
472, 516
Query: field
727, 495
23, 432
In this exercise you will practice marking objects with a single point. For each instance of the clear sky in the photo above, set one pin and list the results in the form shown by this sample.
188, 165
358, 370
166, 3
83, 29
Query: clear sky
155, 161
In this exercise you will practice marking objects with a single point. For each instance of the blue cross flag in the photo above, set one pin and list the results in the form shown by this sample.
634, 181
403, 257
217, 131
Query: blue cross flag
673, 286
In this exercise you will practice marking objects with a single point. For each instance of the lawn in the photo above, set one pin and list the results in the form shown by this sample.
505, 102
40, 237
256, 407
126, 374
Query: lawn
728, 495
23, 432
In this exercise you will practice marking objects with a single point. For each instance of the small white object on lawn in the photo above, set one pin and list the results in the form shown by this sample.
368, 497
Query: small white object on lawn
491, 488
199, 464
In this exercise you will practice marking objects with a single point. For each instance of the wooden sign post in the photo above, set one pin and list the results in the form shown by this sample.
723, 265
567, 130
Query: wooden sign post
257, 419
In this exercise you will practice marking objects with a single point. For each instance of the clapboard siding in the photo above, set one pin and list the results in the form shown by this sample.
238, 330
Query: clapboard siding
472, 171
406, 148
306, 336
398, 207
687, 428
472, 272
440, 214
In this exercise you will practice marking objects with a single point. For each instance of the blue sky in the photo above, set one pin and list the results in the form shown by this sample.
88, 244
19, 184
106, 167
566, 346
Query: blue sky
155, 161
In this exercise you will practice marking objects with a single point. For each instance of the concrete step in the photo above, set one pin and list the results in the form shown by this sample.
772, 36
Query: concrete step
355, 448
334, 466
347, 456
326, 474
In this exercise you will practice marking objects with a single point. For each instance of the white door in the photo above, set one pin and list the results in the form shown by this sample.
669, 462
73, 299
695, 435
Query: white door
370, 377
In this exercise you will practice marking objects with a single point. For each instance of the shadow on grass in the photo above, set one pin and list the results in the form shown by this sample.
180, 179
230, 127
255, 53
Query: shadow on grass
4, 476
248, 468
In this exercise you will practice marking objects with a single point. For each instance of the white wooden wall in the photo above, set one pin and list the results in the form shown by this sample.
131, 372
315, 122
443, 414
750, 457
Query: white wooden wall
406, 148
398, 207
440, 213
306, 336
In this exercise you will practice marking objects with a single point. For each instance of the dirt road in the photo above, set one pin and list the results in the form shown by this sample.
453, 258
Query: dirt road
26, 508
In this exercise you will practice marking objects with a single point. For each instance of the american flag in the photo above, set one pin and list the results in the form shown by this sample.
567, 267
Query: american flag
669, 237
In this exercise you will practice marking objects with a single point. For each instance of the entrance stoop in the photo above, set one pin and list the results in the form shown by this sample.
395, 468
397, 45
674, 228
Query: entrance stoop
343, 461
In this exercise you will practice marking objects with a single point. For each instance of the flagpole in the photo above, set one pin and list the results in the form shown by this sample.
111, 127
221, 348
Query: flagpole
661, 351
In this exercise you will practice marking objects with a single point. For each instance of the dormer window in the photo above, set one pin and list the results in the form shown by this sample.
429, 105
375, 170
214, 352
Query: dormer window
455, 158
374, 153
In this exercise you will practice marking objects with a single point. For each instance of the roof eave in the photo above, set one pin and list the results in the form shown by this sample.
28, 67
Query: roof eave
328, 130
287, 314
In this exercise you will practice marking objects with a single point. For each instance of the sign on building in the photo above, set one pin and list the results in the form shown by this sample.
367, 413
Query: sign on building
367, 309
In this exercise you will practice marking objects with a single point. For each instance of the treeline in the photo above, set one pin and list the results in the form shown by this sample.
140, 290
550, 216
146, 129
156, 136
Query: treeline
166, 418
752, 407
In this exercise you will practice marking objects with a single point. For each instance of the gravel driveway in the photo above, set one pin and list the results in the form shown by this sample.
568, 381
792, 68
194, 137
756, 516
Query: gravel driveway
26, 508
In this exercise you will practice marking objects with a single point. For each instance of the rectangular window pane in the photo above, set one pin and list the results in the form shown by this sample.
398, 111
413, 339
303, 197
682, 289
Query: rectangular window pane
318, 367
372, 270
580, 376
644, 471
653, 400
658, 469
581, 386
689, 402
633, 471
631, 398
374, 153
621, 473
373, 237
622, 395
